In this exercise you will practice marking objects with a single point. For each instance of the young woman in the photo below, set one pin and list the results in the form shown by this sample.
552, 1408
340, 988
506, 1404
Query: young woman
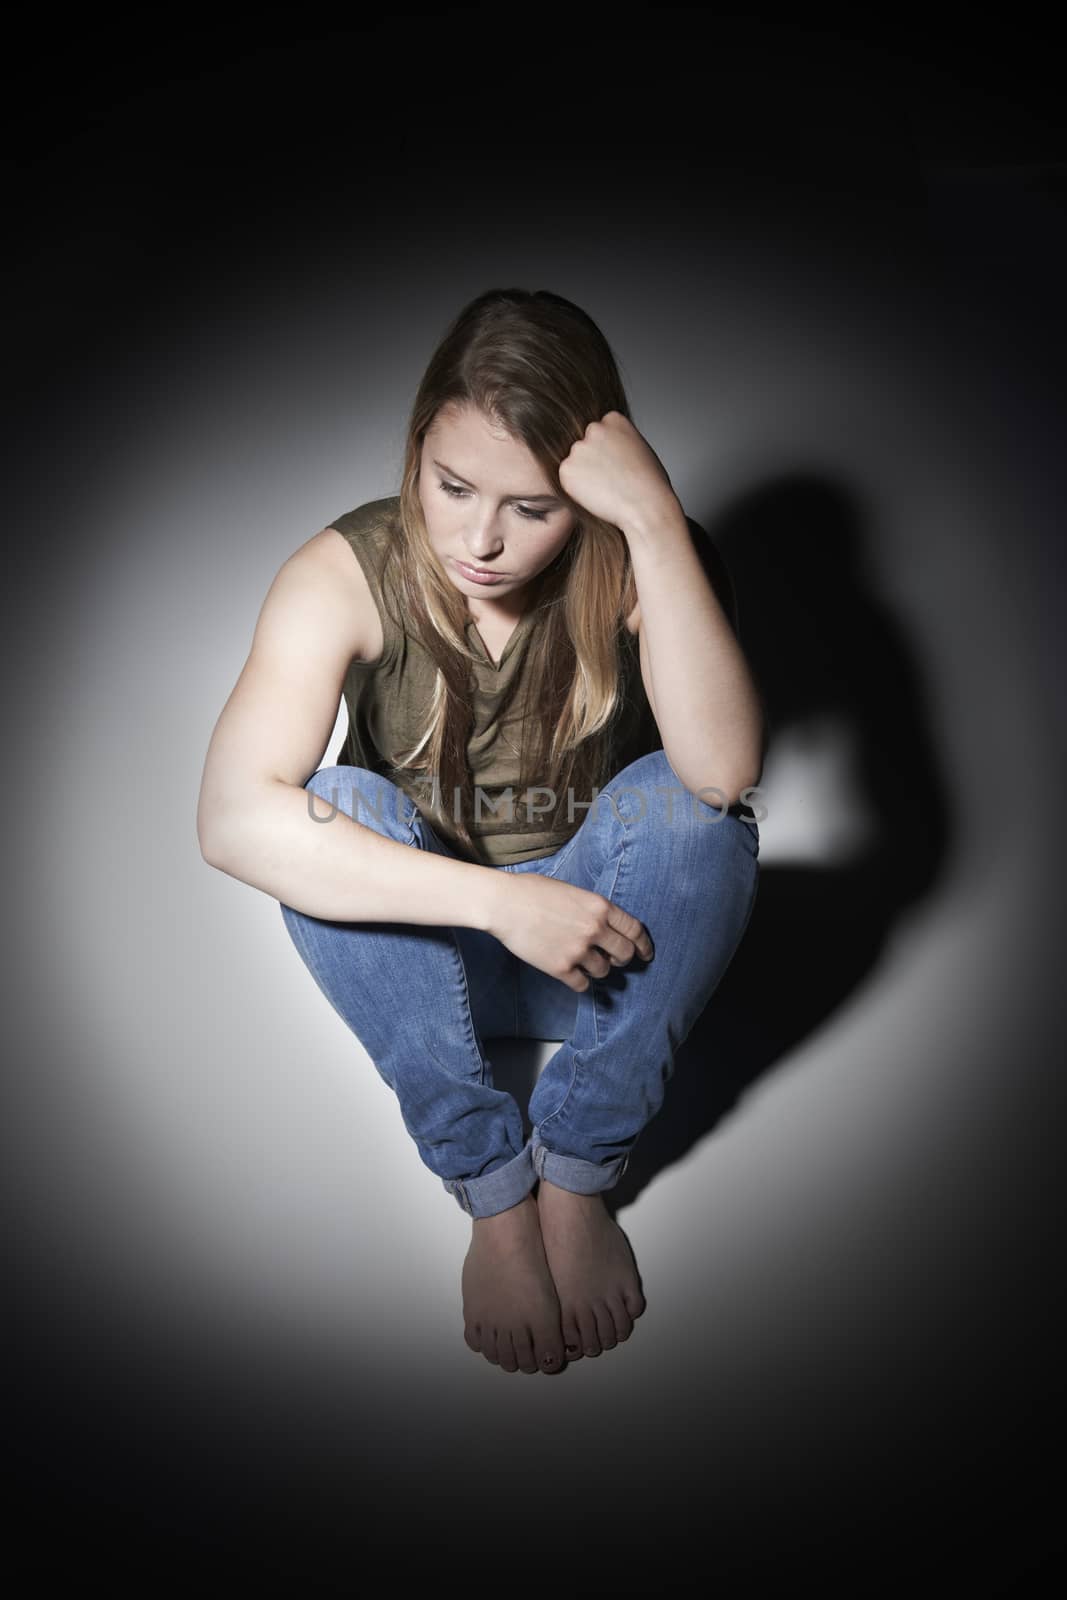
536, 826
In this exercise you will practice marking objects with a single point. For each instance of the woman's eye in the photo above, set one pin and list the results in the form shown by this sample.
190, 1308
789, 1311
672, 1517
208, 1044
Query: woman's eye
457, 493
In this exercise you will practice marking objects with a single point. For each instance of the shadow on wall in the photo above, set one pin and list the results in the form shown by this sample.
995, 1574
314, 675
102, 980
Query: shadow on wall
821, 644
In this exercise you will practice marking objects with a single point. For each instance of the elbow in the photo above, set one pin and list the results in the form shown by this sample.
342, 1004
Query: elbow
748, 784
209, 834
748, 772
750, 780
741, 793
730, 788
227, 822
209, 850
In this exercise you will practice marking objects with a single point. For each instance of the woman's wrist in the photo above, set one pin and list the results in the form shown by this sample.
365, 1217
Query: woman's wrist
492, 888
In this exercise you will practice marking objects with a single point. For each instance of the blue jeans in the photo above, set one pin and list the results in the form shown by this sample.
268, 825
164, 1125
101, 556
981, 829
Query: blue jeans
421, 999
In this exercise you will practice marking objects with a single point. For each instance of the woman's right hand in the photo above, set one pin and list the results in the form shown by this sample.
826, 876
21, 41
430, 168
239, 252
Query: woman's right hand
572, 934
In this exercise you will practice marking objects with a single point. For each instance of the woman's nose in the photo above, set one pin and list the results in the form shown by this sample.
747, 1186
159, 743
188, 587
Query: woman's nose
482, 542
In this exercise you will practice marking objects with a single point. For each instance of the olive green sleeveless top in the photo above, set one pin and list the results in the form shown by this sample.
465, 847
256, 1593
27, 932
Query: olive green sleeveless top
387, 701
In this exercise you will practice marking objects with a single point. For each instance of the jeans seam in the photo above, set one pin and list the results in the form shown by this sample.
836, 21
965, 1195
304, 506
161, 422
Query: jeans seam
611, 896
552, 1115
576, 1054
564, 853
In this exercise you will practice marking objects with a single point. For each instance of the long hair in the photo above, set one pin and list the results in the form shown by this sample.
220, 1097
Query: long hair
538, 367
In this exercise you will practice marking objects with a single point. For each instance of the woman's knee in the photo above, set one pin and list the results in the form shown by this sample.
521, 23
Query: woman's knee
649, 796
647, 793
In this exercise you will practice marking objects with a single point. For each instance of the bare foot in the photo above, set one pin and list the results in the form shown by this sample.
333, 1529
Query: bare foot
593, 1269
510, 1306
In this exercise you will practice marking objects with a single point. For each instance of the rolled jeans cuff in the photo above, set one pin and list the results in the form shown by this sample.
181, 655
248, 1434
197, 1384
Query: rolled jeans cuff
498, 1190
574, 1173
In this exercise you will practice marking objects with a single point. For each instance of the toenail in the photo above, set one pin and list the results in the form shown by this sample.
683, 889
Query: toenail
572, 1349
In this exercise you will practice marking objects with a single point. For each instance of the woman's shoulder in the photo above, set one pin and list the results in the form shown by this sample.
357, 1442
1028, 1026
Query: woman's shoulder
372, 522
367, 530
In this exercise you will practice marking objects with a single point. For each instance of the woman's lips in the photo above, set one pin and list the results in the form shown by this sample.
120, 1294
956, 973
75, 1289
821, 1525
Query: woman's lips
479, 572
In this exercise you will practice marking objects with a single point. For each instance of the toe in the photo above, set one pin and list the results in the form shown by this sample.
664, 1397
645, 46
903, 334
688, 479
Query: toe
472, 1334
548, 1348
572, 1337
620, 1316
524, 1350
588, 1330
634, 1301
506, 1351
605, 1325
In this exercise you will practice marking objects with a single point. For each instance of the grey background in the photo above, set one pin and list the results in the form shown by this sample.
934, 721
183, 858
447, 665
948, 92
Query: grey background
830, 267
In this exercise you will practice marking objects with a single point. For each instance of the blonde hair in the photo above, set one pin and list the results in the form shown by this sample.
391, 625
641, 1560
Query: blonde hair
538, 367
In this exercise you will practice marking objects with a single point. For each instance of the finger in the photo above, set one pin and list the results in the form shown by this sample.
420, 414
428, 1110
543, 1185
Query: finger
610, 941
576, 979
619, 950
632, 933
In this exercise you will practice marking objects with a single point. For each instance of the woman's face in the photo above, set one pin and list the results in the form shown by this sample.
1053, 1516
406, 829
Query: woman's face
487, 503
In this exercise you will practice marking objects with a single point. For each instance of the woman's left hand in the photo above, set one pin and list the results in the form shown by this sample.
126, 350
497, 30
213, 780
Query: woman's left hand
614, 473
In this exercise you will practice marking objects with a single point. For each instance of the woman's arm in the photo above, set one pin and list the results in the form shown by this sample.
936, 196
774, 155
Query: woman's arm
256, 821
343, 870
707, 706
